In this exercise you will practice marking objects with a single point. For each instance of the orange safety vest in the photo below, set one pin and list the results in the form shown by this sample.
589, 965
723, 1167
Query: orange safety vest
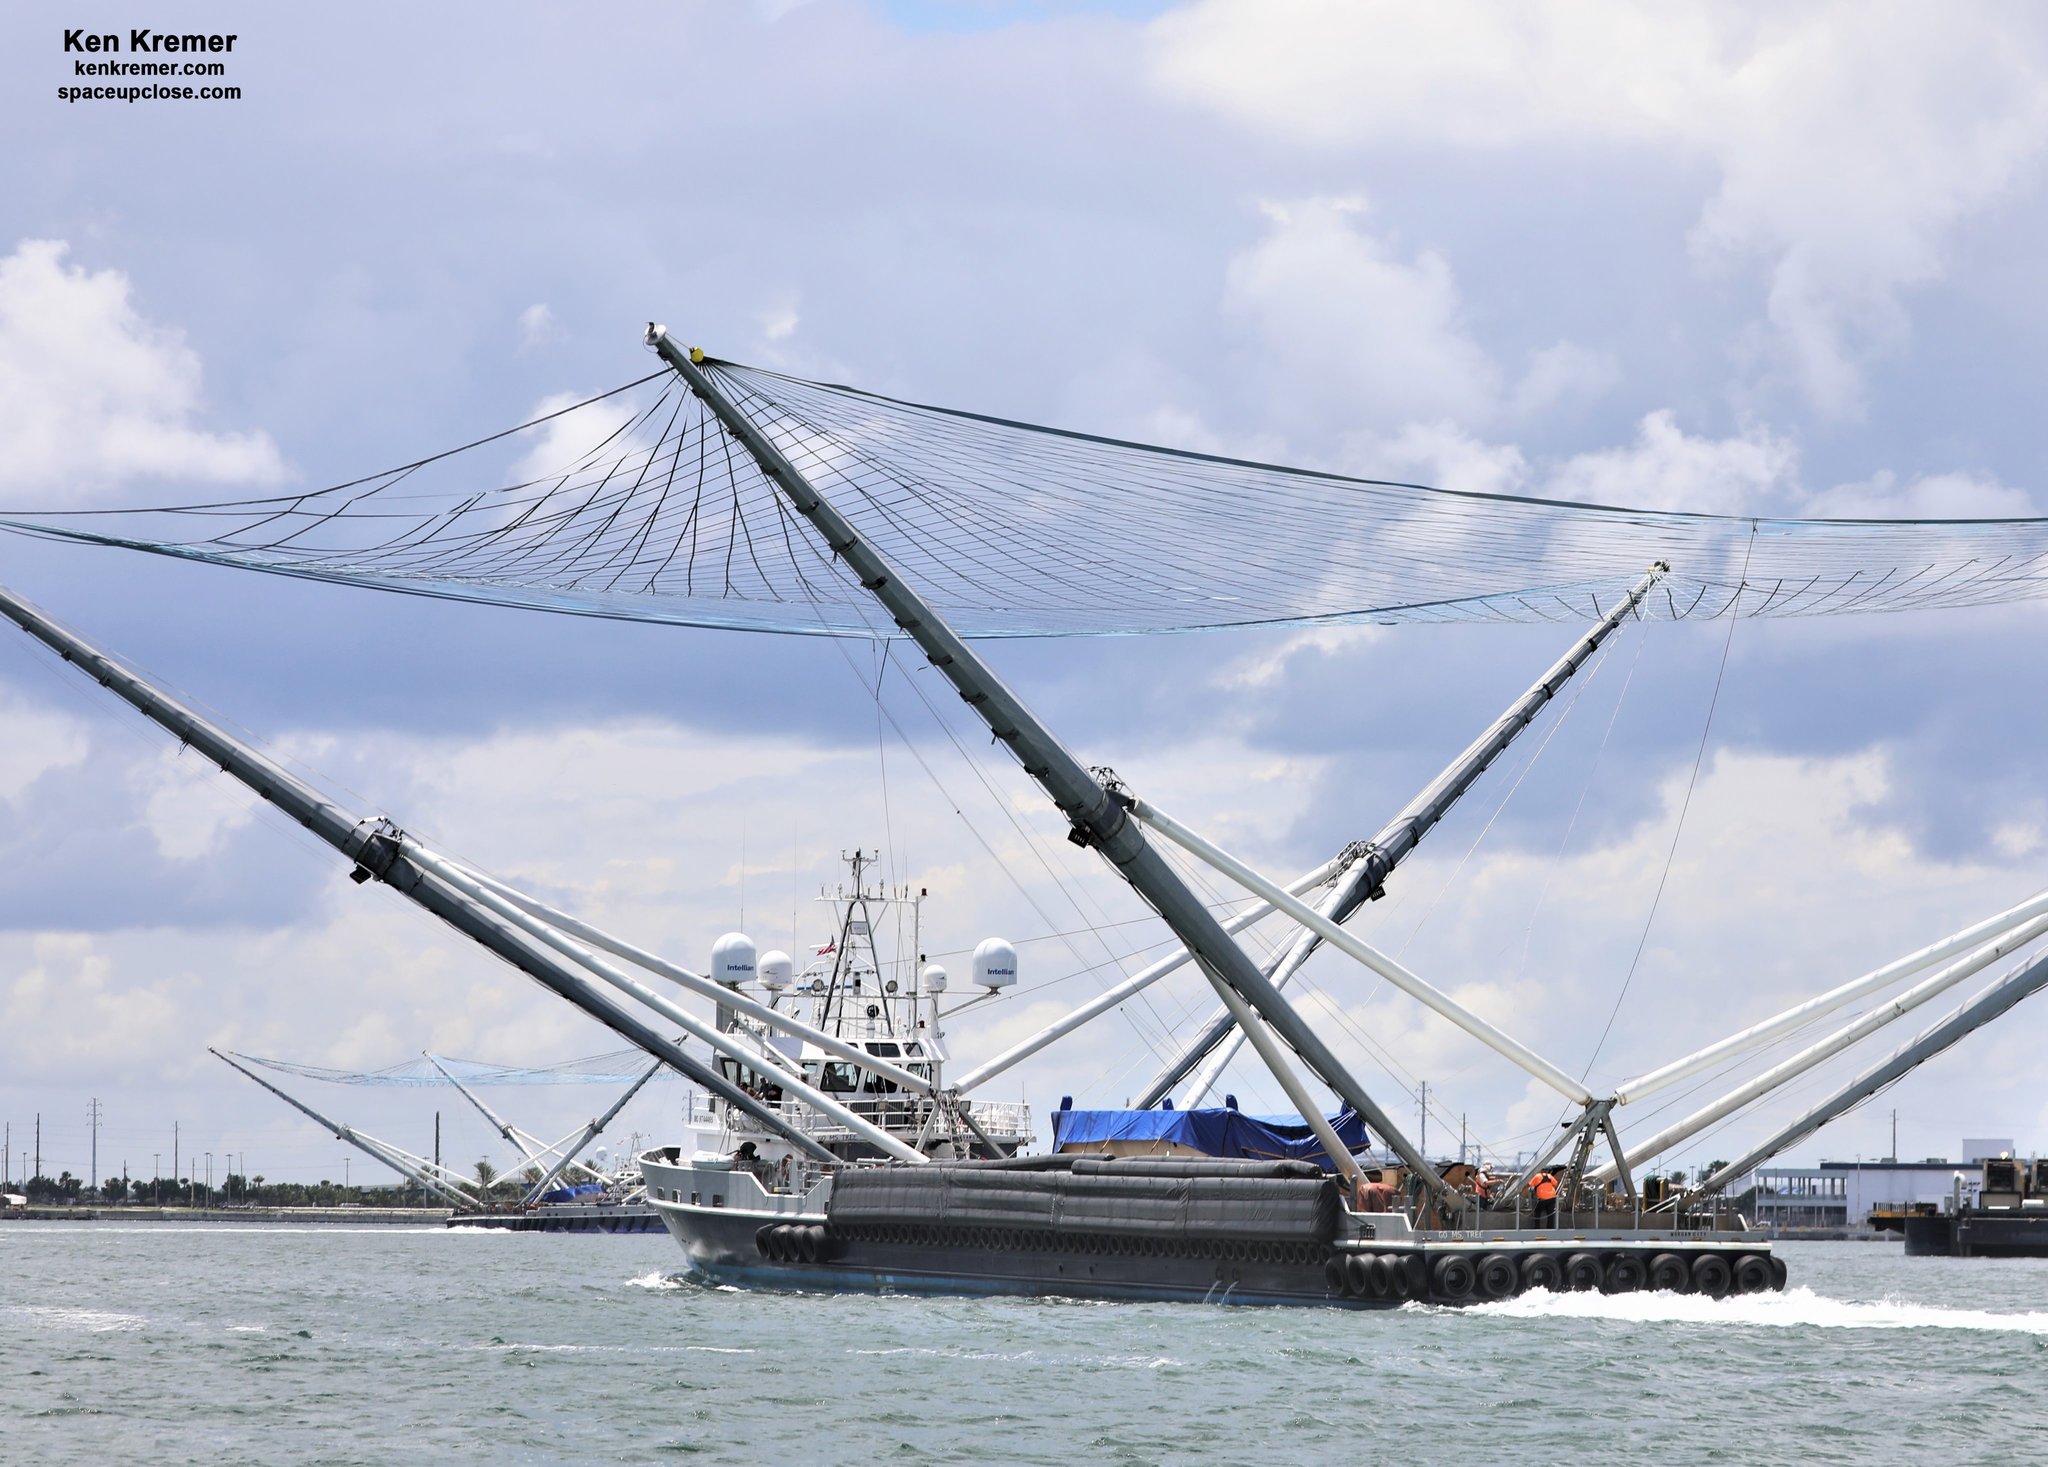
1546, 1187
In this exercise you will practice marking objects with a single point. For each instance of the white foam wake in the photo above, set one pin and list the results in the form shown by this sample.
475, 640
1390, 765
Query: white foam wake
85, 1321
1798, 1308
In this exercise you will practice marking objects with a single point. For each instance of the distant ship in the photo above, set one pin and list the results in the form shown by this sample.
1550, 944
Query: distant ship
2007, 1217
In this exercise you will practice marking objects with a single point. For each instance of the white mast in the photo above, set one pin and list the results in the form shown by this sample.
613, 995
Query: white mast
760, 1057
697, 983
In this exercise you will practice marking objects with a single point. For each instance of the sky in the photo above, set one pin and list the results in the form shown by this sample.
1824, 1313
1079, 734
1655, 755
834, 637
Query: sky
1769, 259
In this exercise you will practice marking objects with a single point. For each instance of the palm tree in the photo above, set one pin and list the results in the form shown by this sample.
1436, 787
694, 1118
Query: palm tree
486, 1176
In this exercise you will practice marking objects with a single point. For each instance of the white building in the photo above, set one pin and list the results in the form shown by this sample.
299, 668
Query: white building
1843, 1194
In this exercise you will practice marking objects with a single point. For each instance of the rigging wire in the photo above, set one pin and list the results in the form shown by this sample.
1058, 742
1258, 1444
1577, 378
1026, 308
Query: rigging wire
1571, 825
882, 761
1564, 712
1677, 830
1412, 1084
1090, 928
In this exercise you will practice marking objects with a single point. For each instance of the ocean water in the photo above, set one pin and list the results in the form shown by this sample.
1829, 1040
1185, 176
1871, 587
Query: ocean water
170, 1344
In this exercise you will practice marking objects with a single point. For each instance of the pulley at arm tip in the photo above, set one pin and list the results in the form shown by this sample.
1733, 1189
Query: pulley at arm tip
657, 333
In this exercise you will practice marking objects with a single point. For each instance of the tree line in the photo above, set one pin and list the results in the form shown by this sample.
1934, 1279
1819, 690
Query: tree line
236, 1190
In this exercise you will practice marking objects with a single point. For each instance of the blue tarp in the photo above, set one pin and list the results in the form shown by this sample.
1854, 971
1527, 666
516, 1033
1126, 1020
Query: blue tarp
1218, 1132
570, 1194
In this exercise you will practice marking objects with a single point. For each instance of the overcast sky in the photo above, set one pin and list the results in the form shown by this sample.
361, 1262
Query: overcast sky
1705, 257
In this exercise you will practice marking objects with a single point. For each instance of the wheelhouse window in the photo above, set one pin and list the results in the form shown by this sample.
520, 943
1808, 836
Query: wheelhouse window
759, 1085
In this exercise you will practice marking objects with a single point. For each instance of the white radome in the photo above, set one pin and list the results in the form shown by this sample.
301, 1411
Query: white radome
995, 963
732, 959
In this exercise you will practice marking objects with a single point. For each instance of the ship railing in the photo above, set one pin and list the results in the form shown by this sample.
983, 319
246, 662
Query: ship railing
1718, 1213
1003, 1119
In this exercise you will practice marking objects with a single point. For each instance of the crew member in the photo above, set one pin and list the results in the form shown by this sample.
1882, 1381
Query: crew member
1372, 1194
1544, 1188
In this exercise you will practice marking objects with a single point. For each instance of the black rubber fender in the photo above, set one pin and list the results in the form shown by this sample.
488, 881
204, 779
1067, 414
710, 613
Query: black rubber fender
1399, 1284
1417, 1269
1712, 1276
1383, 1275
1670, 1275
1453, 1278
1582, 1273
1497, 1276
810, 1244
1334, 1275
1625, 1274
1779, 1273
1753, 1274
764, 1241
1542, 1271
1358, 1276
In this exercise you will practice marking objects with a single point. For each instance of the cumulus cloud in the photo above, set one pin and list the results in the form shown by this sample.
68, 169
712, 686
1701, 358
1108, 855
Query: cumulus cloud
1353, 328
1662, 467
1409, 351
1358, 328
1668, 468
1442, 456
93, 395
570, 441
1848, 141
38, 741
537, 326
1951, 496
1561, 375
779, 320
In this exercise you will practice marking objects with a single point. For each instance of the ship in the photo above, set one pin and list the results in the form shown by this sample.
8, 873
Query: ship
839, 1148
564, 1193
2004, 1216
1199, 1205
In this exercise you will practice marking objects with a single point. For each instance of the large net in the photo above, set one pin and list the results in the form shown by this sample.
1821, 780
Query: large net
620, 1068
639, 504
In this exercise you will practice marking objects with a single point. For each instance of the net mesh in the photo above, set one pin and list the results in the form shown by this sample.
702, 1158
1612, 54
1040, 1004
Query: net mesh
639, 504
620, 1068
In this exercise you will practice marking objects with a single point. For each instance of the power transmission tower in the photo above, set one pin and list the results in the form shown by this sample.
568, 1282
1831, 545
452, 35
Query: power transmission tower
92, 1118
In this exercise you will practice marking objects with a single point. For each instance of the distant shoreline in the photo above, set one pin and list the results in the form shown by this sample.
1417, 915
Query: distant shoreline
355, 1216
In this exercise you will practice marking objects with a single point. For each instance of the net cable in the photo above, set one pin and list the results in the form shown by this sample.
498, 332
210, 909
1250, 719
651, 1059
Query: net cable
637, 504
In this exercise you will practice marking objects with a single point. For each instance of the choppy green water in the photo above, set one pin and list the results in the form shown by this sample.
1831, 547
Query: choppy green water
170, 1345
